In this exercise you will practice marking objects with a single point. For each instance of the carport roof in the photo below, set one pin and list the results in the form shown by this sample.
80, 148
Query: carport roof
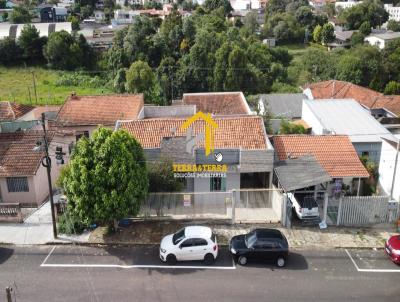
303, 172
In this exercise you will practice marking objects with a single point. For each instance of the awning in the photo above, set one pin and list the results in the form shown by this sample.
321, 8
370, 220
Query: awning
302, 172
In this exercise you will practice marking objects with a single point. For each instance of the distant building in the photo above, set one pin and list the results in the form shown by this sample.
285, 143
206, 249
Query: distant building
342, 38
53, 14
394, 12
45, 29
346, 4
381, 40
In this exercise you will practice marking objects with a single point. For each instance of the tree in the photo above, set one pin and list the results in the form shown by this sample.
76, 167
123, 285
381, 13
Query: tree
86, 11
10, 52
141, 79
251, 23
74, 22
64, 51
317, 33
161, 177
349, 69
119, 81
291, 128
330, 10
357, 38
392, 88
215, 4
365, 28
31, 43
106, 179
3, 4
19, 15
237, 69
368, 10
327, 33
393, 25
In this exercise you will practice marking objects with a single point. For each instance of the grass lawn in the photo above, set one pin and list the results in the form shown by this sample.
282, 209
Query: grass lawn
16, 84
298, 49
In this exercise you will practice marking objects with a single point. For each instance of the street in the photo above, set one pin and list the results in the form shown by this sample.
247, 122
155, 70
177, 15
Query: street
80, 273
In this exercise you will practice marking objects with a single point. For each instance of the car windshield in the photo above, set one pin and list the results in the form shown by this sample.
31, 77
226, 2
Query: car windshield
178, 236
250, 239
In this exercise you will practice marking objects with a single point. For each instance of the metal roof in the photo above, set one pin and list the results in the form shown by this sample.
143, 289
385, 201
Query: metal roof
302, 172
347, 117
286, 105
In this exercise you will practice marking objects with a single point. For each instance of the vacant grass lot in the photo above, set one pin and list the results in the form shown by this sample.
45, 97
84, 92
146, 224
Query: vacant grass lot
16, 84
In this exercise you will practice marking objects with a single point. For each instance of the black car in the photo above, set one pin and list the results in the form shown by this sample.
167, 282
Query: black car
261, 245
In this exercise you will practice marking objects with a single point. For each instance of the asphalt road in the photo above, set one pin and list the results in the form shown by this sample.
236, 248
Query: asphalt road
75, 273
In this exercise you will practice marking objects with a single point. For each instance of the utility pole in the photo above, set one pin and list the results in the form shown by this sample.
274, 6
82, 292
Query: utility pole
34, 85
395, 168
47, 164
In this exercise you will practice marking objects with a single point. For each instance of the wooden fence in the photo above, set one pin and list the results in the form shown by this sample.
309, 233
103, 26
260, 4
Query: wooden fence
366, 210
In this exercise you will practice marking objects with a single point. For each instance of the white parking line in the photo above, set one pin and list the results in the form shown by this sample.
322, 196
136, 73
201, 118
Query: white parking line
44, 264
371, 270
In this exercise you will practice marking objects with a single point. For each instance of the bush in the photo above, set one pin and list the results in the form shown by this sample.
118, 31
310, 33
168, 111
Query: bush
79, 79
69, 224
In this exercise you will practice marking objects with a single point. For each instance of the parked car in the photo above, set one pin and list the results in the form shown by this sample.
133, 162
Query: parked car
260, 245
189, 243
392, 248
306, 207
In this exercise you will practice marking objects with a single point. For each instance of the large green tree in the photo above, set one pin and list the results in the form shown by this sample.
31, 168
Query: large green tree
10, 52
371, 11
327, 33
31, 43
20, 14
106, 179
64, 51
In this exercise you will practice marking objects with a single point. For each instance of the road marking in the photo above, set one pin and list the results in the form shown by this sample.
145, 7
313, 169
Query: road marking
44, 264
48, 256
139, 266
371, 270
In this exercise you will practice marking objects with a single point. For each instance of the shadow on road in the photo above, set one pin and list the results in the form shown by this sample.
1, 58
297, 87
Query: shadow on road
5, 254
295, 262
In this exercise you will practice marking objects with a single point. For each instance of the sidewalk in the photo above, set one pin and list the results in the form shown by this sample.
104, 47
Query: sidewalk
151, 232
36, 229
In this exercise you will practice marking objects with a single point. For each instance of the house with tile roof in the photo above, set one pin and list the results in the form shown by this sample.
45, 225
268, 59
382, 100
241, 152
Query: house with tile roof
218, 103
81, 115
10, 111
22, 177
334, 153
347, 117
241, 140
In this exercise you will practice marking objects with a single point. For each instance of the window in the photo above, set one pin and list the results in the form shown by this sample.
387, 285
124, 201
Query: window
200, 242
217, 184
17, 184
187, 243
85, 134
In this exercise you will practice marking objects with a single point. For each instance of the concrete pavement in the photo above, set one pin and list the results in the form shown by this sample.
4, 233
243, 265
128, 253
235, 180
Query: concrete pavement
311, 275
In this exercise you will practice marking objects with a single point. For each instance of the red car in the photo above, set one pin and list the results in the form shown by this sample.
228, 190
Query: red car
392, 248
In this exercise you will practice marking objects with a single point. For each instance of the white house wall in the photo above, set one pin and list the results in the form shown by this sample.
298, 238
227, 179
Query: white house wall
386, 169
309, 117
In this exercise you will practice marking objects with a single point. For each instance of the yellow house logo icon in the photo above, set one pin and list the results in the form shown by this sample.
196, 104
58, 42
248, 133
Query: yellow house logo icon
209, 124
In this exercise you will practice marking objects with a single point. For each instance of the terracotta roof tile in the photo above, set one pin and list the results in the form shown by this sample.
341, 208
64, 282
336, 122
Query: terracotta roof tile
344, 90
221, 103
238, 132
11, 111
335, 153
99, 110
17, 157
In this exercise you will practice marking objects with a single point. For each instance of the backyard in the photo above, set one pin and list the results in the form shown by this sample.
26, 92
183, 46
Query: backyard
52, 87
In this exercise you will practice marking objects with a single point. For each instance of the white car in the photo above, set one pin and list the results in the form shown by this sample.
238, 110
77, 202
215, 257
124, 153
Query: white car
189, 243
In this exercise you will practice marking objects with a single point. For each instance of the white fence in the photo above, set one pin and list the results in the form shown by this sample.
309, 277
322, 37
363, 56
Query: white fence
363, 211
252, 205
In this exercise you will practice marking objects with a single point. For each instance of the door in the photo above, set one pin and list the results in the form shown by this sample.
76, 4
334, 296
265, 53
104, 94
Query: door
271, 249
200, 248
185, 250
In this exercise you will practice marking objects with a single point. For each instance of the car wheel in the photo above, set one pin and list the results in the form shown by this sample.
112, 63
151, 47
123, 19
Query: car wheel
242, 260
280, 262
171, 259
209, 259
